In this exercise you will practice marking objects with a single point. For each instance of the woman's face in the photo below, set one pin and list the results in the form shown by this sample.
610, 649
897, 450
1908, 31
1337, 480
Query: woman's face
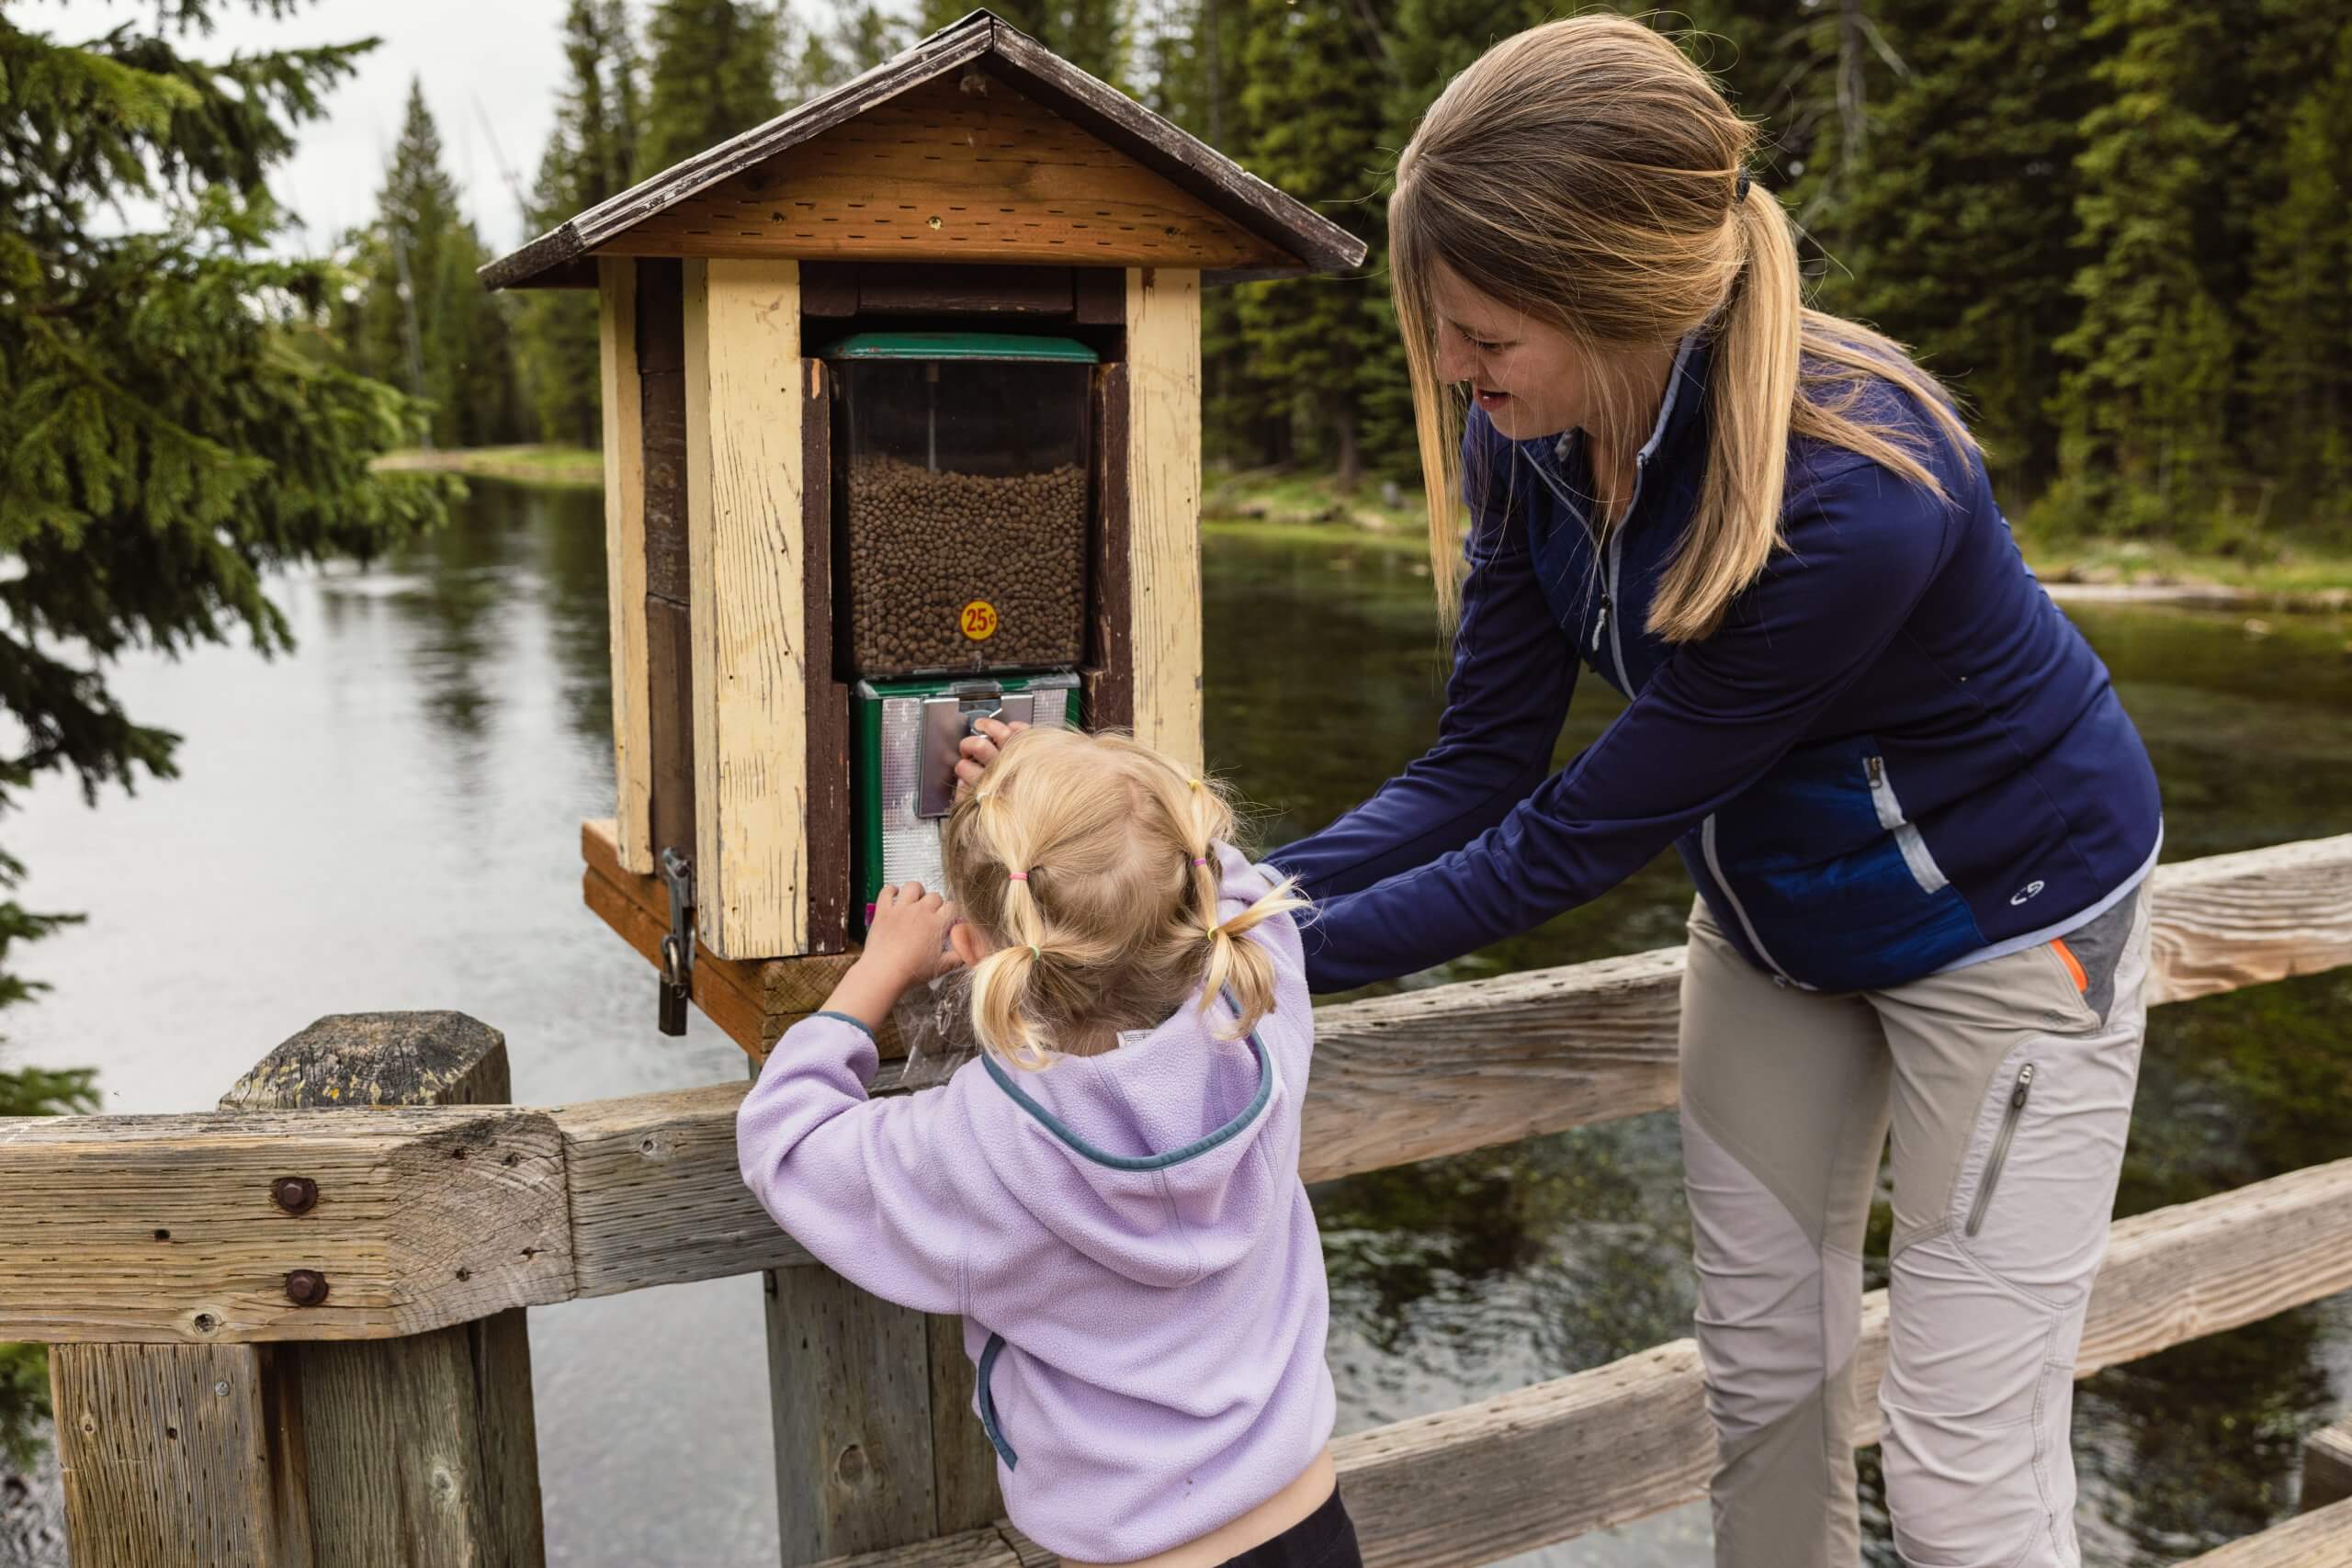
1525, 373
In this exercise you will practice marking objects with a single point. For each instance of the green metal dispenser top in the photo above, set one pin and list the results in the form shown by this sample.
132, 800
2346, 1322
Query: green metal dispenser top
960, 346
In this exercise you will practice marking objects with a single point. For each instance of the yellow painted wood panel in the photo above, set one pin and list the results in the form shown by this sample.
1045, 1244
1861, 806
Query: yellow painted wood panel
945, 175
744, 482
625, 560
1164, 506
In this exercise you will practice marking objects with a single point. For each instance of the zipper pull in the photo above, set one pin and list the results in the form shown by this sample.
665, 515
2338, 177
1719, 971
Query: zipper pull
2025, 1086
1876, 768
1601, 622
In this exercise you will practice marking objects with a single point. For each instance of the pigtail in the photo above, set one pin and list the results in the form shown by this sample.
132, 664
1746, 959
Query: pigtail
1000, 986
1005, 980
1242, 970
1119, 925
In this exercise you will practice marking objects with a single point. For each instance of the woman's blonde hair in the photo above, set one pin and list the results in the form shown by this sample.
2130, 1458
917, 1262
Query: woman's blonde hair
1090, 862
1587, 173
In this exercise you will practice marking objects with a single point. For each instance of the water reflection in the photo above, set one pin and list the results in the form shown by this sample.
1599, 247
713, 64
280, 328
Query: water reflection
388, 818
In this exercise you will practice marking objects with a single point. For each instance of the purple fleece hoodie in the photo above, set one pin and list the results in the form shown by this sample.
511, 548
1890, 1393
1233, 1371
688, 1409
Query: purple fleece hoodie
1125, 1236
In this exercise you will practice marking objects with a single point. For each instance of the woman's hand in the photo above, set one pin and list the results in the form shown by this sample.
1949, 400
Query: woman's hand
978, 750
906, 944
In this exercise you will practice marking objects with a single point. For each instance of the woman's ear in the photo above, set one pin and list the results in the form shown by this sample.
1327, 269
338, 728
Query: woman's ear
969, 944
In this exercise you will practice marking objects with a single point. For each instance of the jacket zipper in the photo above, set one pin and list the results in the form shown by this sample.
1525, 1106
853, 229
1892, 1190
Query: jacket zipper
1707, 847
1916, 854
2000, 1149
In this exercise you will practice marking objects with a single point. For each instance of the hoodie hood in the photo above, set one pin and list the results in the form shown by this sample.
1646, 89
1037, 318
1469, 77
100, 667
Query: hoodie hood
1148, 1160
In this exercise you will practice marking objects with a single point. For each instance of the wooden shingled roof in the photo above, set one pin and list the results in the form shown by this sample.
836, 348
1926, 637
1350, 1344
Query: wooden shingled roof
1271, 234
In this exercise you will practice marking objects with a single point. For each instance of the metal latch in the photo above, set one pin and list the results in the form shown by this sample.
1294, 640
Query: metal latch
677, 943
947, 719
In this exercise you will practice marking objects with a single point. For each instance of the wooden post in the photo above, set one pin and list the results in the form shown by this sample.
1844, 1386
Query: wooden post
421, 1450
1163, 501
624, 410
876, 1443
2328, 1466
746, 557
173, 1454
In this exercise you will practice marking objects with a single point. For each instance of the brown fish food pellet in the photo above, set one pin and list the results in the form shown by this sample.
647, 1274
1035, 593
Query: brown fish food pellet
922, 546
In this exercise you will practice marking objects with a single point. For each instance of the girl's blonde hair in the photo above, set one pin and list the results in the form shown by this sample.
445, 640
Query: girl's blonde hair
1587, 173
1090, 862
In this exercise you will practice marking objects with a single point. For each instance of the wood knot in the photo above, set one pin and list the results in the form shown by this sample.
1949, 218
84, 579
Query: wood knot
851, 1468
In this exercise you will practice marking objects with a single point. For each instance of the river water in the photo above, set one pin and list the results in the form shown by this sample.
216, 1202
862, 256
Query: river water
388, 818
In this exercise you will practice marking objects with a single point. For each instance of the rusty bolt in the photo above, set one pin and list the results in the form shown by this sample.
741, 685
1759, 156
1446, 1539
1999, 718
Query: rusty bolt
306, 1287
295, 1194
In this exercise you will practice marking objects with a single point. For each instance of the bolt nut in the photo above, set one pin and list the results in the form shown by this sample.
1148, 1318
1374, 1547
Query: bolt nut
306, 1287
295, 1194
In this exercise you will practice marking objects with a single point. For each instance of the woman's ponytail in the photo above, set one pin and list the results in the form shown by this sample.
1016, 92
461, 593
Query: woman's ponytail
1752, 390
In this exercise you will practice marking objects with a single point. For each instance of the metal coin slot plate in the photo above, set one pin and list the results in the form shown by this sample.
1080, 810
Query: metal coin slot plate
947, 719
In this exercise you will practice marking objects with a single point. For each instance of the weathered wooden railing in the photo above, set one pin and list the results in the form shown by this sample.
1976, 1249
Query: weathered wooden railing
290, 1336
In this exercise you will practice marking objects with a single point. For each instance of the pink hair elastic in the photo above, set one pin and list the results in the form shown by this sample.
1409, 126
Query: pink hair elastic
1016, 876
1200, 860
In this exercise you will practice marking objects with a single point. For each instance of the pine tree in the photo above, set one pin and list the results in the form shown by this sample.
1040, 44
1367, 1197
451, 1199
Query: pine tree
591, 155
2299, 309
1958, 235
715, 68
166, 434
1311, 129
420, 318
2142, 408
862, 35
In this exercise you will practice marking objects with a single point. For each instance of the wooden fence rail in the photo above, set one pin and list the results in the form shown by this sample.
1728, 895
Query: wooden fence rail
1623, 1441
429, 1216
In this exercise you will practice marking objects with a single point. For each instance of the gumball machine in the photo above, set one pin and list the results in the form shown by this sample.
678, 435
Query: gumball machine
901, 430
963, 499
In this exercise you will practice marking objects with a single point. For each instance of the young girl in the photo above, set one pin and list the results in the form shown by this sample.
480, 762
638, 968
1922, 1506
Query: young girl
1108, 1195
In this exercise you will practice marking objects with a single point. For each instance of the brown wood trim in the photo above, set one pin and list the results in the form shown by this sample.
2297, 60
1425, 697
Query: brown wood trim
828, 290
1102, 296
669, 648
1111, 674
904, 289
827, 813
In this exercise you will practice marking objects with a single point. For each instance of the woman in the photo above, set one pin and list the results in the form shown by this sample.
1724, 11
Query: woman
1917, 816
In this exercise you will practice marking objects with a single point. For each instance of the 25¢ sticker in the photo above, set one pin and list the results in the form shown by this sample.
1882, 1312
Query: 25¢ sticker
979, 620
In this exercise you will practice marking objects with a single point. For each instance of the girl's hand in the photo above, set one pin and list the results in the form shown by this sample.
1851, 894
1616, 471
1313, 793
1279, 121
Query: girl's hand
906, 942
978, 750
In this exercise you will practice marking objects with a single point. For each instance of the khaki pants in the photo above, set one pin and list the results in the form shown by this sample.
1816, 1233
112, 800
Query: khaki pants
2008, 1086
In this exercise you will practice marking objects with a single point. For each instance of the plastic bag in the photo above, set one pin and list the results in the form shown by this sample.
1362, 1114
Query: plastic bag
935, 1022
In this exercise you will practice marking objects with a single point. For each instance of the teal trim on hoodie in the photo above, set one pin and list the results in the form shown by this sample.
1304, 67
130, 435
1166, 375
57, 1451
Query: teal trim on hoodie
988, 1405
1199, 1146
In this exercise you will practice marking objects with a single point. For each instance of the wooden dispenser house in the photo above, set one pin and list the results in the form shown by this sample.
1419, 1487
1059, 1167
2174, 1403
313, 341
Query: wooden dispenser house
902, 428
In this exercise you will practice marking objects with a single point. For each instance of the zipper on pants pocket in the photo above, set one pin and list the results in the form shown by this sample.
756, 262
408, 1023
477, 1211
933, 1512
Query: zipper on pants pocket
2000, 1149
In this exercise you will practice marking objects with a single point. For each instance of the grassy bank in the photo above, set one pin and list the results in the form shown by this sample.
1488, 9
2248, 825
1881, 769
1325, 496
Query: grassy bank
524, 464
2289, 574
